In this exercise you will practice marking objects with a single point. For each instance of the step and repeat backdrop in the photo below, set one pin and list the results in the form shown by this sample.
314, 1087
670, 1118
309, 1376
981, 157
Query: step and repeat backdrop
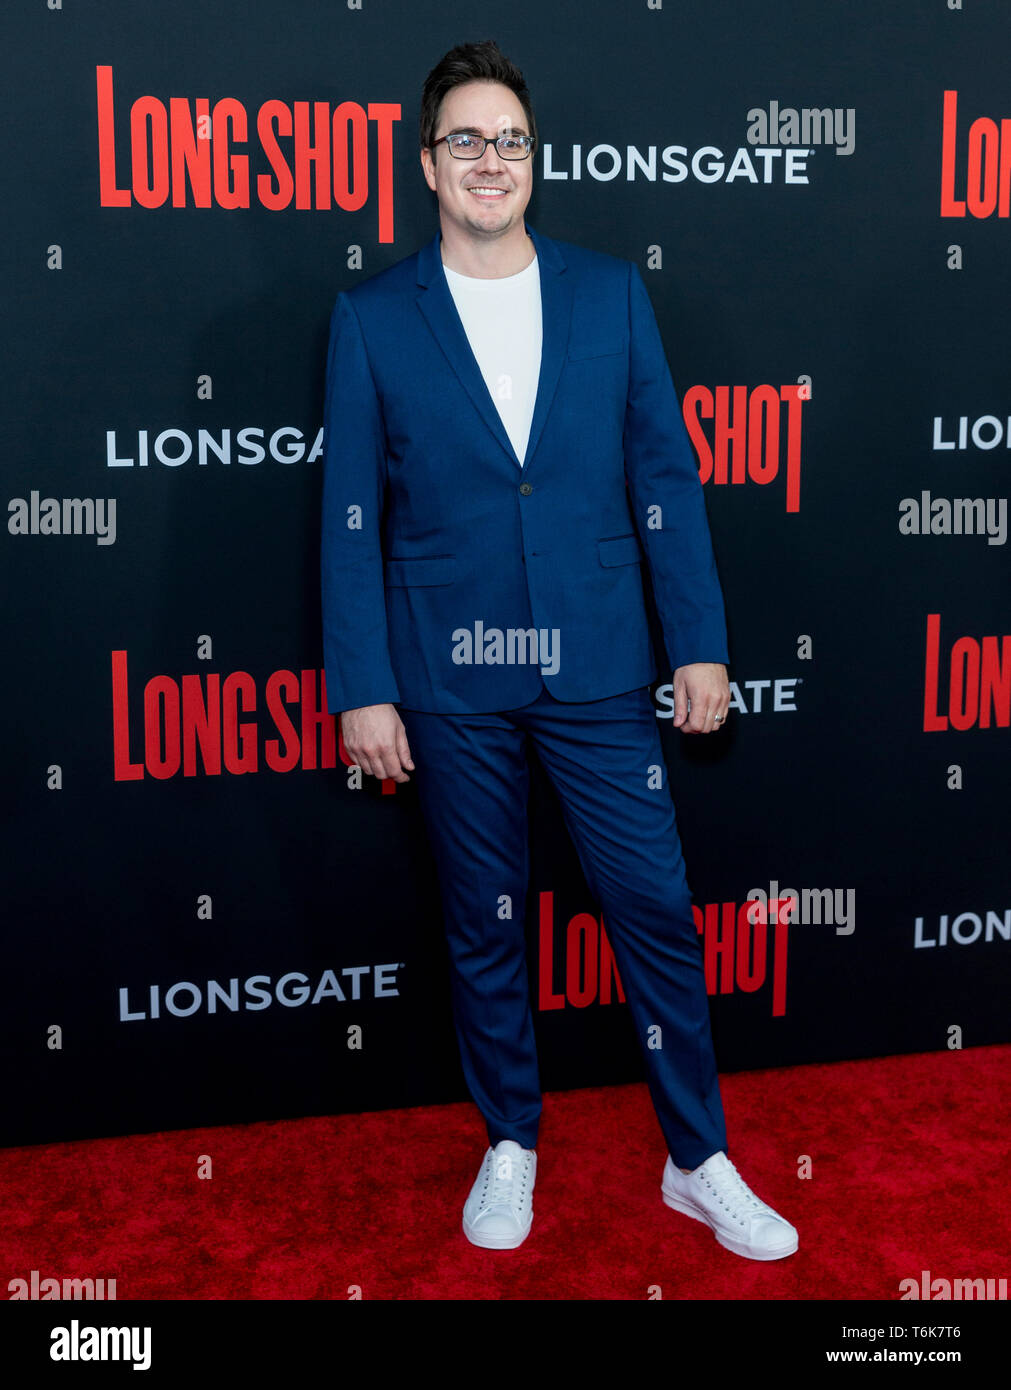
209, 916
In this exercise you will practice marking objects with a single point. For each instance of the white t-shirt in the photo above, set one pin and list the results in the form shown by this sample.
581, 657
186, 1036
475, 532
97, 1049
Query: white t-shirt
502, 319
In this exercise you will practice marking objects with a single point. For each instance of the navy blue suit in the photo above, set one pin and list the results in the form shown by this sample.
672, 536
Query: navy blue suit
450, 529
434, 537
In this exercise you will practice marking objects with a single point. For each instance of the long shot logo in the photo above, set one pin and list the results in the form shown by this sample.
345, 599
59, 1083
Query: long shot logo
206, 724
744, 948
977, 690
751, 442
977, 180
187, 153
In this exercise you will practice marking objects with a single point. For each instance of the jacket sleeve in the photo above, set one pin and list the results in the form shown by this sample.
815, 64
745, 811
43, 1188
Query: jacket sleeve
355, 643
666, 496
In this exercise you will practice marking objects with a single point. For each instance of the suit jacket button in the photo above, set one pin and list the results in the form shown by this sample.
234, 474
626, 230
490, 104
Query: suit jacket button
525, 489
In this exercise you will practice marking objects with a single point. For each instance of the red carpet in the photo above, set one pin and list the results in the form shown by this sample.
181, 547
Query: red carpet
908, 1173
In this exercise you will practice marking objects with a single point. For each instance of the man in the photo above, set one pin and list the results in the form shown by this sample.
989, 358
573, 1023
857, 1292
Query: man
503, 448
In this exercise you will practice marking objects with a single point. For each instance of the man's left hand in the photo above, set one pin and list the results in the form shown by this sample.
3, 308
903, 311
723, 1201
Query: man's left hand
703, 685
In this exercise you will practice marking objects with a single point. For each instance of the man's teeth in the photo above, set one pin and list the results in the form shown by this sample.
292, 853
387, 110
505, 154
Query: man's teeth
499, 192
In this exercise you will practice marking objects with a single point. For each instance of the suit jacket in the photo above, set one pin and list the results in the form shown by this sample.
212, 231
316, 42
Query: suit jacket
431, 529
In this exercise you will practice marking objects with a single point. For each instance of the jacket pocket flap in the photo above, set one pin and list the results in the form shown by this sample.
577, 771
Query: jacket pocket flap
619, 550
425, 569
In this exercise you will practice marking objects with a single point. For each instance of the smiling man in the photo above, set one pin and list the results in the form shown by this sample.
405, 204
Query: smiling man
503, 452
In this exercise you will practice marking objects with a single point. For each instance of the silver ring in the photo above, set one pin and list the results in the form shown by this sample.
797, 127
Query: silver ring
717, 718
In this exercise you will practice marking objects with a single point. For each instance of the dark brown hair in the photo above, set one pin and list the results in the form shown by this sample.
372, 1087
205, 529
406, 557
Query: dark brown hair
470, 62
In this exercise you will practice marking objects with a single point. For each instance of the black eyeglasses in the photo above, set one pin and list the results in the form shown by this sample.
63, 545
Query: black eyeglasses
464, 145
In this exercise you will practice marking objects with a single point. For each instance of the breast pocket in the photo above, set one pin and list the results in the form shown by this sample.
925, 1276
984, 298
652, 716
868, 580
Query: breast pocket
420, 570
581, 349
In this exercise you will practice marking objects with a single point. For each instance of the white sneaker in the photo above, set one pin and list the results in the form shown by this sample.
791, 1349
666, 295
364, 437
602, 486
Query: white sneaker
716, 1193
499, 1212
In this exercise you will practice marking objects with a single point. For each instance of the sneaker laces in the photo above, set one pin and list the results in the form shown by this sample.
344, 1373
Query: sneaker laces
728, 1184
502, 1188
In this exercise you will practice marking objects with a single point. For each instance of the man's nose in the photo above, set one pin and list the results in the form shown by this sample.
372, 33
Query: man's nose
491, 161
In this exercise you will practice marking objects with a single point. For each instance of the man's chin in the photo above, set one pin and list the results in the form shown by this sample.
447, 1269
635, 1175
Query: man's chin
491, 222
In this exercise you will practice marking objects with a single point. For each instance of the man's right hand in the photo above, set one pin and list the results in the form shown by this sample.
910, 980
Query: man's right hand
377, 741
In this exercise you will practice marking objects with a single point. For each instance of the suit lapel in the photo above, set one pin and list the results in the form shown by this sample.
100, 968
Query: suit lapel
436, 302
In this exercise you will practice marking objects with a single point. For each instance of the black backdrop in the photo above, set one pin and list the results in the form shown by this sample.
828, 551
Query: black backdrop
815, 276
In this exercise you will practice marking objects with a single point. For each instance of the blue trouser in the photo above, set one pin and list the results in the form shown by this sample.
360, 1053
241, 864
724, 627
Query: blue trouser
472, 779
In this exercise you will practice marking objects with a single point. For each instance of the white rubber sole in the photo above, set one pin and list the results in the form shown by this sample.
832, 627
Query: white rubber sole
487, 1242
738, 1247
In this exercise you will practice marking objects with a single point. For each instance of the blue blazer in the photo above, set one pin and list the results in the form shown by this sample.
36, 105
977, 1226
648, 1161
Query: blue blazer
434, 538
